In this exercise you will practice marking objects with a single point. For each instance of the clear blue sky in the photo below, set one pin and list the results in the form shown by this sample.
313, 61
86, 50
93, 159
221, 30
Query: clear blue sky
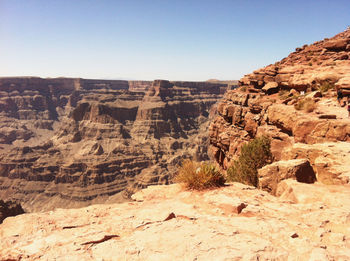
152, 39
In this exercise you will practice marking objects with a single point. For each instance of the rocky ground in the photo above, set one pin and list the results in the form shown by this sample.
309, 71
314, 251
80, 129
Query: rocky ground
237, 222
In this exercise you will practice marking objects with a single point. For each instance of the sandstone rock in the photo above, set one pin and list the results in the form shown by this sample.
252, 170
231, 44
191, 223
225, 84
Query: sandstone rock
271, 88
343, 83
271, 175
327, 116
195, 225
329, 160
307, 194
336, 45
314, 95
293, 92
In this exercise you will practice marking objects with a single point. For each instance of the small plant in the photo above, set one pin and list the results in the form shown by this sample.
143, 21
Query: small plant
283, 94
254, 155
325, 86
307, 105
199, 176
244, 88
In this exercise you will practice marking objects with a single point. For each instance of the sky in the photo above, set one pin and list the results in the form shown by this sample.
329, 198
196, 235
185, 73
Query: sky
159, 39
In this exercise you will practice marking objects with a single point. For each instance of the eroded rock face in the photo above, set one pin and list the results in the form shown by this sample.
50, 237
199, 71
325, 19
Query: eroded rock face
255, 108
73, 142
237, 222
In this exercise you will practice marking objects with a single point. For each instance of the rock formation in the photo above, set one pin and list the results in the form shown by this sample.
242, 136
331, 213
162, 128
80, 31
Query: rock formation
73, 142
294, 102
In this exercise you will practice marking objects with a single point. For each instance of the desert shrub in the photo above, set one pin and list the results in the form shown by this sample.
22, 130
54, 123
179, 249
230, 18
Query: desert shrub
244, 88
254, 155
283, 94
199, 176
325, 86
306, 104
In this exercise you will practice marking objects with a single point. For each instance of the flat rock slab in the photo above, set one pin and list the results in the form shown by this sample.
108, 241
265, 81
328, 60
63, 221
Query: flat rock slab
236, 222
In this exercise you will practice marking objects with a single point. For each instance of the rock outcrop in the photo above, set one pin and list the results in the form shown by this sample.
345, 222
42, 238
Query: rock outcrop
236, 222
294, 102
73, 142
271, 175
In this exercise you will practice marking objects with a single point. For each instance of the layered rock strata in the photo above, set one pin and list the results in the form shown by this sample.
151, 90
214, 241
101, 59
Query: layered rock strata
269, 102
73, 142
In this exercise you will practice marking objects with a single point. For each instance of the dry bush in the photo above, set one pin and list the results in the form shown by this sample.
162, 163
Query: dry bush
283, 94
307, 105
254, 155
325, 86
199, 176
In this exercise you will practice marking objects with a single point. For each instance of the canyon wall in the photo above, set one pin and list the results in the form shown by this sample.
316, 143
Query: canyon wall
72, 142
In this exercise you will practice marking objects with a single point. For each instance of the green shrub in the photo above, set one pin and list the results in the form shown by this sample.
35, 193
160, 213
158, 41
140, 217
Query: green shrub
307, 105
199, 176
254, 155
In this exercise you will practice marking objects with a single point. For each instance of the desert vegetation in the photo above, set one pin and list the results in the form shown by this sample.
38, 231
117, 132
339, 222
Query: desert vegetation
326, 86
254, 155
287, 94
305, 104
199, 176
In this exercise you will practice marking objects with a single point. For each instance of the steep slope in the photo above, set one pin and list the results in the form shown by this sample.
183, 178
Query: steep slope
73, 142
269, 102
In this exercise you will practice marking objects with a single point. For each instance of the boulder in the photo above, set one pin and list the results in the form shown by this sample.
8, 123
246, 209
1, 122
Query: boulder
270, 88
293, 92
343, 83
272, 174
336, 45
313, 95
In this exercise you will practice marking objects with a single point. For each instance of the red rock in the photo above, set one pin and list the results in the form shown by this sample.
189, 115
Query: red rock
272, 174
271, 88
336, 45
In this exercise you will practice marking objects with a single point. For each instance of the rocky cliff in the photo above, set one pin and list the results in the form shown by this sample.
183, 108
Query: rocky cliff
270, 102
73, 142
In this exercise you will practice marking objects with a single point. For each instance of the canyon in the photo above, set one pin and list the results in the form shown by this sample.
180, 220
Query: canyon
73, 142
299, 210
